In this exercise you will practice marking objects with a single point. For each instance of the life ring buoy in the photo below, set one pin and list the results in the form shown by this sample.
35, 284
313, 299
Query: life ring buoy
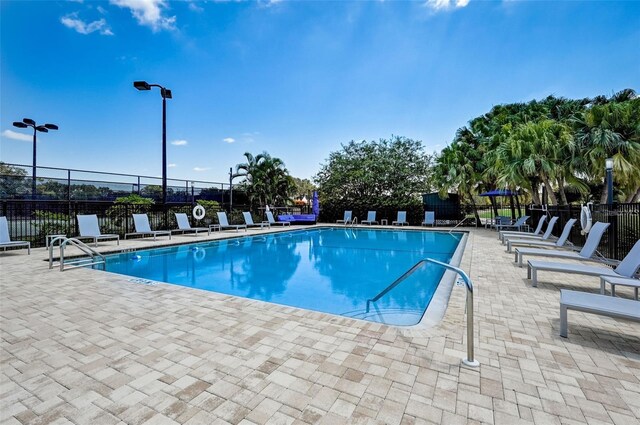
198, 212
585, 219
199, 255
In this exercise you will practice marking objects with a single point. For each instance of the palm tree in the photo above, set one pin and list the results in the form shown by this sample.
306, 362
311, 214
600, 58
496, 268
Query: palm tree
612, 130
266, 178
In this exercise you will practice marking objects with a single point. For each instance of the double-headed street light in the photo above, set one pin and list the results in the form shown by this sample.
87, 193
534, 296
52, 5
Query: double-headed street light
166, 94
28, 122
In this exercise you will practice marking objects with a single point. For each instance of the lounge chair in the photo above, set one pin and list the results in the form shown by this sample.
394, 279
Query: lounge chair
627, 267
89, 229
586, 253
596, 304
499, 221
141, 224
545, 236
5, 239
402, 219
519, 224
248, 220
371, 218
346, 219
184, 226
272, 220
562, 240
429, 218
224, 223
538, 231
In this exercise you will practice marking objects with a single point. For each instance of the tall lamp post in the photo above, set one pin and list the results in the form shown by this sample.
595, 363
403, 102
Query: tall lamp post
28, 122
166, 94
609, 168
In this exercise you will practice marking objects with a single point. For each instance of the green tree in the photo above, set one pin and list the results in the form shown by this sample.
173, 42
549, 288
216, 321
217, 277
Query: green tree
266, 179
392, 172
12, 181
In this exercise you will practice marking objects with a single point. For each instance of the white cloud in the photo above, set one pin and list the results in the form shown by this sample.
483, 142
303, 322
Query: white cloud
10, 134
441, 5
72, 21
148, 13
193, 6
179, 142
201, 168
229, 140
171, 165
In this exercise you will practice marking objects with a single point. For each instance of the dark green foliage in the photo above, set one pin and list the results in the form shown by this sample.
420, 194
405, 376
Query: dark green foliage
374, 175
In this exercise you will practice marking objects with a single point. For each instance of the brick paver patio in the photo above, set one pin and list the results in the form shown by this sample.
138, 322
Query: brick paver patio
87, 347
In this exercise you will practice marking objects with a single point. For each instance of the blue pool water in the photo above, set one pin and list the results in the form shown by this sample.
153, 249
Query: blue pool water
330, 270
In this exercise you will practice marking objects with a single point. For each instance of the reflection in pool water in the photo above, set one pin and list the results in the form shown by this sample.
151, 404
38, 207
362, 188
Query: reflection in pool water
330, 270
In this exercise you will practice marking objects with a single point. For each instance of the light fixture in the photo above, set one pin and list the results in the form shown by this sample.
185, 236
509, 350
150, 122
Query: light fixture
608, 163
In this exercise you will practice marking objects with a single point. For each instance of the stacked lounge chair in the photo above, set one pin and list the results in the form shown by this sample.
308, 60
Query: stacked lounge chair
585, 254
538, 231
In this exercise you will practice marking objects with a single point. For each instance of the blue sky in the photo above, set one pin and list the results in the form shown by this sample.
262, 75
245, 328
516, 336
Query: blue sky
295, 79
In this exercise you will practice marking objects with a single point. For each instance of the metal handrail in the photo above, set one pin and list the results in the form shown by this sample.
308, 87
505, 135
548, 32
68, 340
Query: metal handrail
78, 244
460, 224
470, 360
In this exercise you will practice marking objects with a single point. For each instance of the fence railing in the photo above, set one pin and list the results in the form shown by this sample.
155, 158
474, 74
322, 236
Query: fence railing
77, 185
623, 232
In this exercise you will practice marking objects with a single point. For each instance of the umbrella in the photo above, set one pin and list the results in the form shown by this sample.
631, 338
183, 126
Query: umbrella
315, 204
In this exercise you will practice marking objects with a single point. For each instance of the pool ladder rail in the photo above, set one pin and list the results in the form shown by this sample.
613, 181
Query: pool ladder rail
470, 360
94, 257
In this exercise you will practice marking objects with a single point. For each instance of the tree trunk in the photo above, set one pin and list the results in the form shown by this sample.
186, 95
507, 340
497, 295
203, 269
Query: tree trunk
634, 197
563, 195
552, 195
475, 209
492, 199
535, 196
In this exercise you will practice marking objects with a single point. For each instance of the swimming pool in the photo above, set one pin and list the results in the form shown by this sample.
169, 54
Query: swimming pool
332, 270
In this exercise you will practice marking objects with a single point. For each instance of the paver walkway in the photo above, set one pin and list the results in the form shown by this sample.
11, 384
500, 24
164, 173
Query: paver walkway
87, 347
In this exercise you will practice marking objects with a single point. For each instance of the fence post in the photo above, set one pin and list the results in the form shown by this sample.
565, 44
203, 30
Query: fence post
613, 226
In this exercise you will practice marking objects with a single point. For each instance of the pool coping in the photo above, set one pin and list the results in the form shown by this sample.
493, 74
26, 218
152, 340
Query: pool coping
433, 313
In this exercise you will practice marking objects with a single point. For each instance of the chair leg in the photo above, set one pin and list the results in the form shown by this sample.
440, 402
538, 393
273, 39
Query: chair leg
563, 321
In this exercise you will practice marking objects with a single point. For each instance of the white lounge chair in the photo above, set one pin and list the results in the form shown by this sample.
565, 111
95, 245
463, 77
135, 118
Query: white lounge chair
402, 219
538, 231
5, 239
184, 226
143, 228
429, 218
272, 221
371, 218
519, 224
596, 304
586, 253
248, 220
224, 223
541, 242
545, 236
627, 267
89, 229
346, 219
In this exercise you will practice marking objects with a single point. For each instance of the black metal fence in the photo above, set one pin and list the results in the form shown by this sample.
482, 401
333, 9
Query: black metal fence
622, 234
16, 182
32, 220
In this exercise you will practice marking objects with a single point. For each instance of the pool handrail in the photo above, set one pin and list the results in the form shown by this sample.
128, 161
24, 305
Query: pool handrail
64, 241
470, 360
